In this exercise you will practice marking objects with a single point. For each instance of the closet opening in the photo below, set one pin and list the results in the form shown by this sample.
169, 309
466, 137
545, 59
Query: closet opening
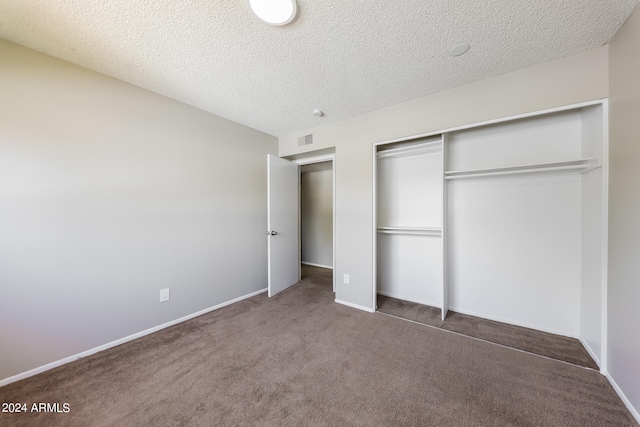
317, 213
497, 230
409, 221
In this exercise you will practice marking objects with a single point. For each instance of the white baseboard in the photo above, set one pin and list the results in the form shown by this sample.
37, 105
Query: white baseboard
592, 353
417, 301
628, 404
132, 337
312, 264
359, 307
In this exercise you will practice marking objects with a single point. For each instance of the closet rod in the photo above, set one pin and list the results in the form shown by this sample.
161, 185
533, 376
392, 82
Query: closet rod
424, 146
416, 231
578, 165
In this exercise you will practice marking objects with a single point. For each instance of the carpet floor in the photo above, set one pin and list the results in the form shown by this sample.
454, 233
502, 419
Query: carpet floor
545, 344
299, 359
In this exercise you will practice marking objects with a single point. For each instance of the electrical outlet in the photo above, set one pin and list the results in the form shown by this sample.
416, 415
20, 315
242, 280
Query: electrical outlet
346, 279
164, 295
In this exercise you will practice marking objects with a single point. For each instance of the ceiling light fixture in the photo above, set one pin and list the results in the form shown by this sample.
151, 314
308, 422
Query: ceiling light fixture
459, 49
275, 12
318, 113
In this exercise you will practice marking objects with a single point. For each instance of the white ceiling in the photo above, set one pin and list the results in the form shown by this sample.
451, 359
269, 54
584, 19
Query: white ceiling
343, 57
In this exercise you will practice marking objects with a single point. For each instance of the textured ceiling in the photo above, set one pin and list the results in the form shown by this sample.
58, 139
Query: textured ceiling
343, 57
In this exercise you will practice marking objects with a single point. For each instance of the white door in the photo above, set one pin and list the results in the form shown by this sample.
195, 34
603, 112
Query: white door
283, 205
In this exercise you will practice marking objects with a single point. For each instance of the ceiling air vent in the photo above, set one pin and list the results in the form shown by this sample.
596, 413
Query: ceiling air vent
305, 140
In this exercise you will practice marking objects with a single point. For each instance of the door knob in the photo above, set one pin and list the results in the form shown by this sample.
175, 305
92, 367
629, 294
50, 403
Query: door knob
271, 233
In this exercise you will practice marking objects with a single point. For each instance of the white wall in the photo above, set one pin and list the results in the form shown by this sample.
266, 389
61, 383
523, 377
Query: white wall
570, 80
316, 206
109, 193
623, 361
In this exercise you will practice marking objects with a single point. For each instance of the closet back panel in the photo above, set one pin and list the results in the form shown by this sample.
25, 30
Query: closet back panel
410, 268
410, 190
514, 250
553, 138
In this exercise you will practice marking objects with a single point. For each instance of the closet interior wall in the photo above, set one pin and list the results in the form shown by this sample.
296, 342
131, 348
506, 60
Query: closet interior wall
409, 216
502, 221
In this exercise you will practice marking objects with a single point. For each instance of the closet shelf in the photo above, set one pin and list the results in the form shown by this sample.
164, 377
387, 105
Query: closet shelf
576, 166
416, 231
425, 147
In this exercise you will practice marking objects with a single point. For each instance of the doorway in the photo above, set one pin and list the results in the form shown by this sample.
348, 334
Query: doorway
317, 218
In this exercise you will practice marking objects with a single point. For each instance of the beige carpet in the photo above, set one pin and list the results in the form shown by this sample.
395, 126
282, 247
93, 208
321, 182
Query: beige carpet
545, 344
299, 359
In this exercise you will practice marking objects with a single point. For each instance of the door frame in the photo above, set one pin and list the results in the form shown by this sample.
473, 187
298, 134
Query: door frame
319, 159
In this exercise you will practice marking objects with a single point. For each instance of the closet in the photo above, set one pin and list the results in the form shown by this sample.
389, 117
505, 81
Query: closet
409, 230
502, 220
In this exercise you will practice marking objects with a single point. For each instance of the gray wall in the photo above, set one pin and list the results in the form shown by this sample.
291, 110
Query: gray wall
624, 211
109, 193
574, 79
316, 207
